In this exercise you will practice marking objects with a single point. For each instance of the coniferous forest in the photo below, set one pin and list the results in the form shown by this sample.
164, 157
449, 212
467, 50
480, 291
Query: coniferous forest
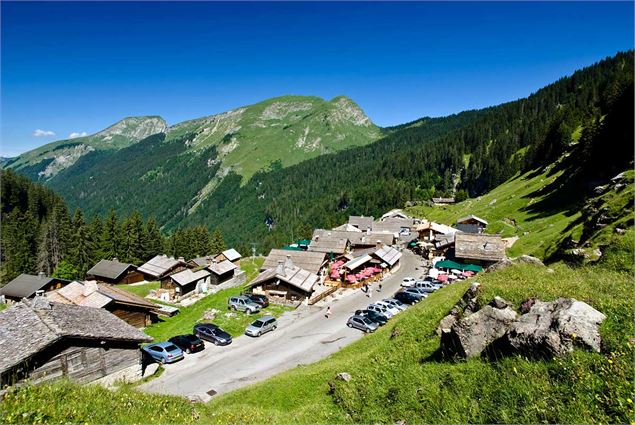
39, 233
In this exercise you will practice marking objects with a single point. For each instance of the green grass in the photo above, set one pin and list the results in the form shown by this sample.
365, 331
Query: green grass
398, 378
183, 322
141, 290
3, 306
538, 231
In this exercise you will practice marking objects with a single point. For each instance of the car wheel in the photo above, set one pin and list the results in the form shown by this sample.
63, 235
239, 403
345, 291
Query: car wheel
215, 342
258, 334
188, 351
349, 325
235, 308
274, 328
367, 330
162, 360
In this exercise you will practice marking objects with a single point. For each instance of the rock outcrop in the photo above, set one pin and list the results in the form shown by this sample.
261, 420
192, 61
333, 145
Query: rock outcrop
545, 329
523, 259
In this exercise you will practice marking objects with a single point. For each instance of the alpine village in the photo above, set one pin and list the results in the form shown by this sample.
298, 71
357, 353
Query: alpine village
289, 261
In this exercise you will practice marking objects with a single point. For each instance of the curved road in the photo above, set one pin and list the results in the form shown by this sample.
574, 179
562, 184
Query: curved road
303, 336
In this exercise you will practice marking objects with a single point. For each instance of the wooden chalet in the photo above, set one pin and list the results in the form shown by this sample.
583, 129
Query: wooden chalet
26, 286
443, 201
199, 262
357, 239
360, 222
131, 308
286, 283
230, 255
431, 231
114, 273
329, 245
185, 282
394, 214
471, 224
312, 261
479, 248
388, 256
42, 341
161, 266
221, 271
395, 225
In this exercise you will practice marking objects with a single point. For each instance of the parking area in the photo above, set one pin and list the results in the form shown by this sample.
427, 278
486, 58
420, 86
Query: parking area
303, 336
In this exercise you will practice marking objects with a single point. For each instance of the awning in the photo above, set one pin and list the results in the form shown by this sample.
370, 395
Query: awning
449, 264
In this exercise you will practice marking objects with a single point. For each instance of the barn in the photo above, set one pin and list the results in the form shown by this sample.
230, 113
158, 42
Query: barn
114, 273
26, 285
55, 340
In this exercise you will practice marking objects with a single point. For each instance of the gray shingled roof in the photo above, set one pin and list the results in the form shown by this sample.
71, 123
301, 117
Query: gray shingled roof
159, 265
388, 255
31, 326
187, 276
109, 269
471, 217
474, 246
231, 254
25, 285
307, 260
295, 276
361, 222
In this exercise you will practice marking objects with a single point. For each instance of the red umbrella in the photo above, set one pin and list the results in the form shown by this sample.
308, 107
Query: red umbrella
351, 278
335, 274
442, 277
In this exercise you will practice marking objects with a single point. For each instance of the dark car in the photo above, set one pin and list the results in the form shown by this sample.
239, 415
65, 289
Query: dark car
212, 333
378, 318
407, 297
188, 343
259, 299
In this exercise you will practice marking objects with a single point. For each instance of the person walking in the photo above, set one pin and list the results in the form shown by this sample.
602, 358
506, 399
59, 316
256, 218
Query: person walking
379, 287
328, 312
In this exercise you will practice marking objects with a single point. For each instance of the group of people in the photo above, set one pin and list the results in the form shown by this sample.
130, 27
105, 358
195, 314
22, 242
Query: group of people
366, 288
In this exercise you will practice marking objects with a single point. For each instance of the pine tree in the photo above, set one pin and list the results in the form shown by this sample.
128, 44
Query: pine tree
153, 240
18, 244
133, 239
217, 243
111, 236
82, 249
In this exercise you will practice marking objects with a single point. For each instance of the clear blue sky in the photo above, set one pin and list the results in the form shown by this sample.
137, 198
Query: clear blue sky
78, 67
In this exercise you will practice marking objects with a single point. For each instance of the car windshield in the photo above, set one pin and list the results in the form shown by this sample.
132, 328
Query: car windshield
367, 320
171, 348
258, 324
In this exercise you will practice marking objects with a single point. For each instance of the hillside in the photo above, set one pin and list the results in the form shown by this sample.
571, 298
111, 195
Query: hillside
182, 165
47, 161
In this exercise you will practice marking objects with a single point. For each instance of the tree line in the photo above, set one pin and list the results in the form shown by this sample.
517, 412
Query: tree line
39, 234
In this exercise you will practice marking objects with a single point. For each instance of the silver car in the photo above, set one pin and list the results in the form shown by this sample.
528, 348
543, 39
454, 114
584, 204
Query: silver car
362, 323
417, 292
396, 303
426, 286
260, 326
391, 308
243, 303
380, 309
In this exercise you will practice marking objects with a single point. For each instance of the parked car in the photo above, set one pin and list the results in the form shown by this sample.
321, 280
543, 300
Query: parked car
391, 308
243, 303
407, 297
380, 309
259, 299
164, 352
362, 323
426, 286
408, 281
212, 333
416, 291
396, 303
378, 318
188, 343
260, 326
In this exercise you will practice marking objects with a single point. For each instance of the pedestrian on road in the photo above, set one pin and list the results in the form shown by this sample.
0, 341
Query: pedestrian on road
328, 312
369, 293
379, 290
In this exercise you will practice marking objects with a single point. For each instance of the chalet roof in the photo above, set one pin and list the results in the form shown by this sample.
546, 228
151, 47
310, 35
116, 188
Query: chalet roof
358, 262
329, 245
475, 246
394, 214
445, 240
443, 200
92, 294
435, 227
347, 228
25, 285
295, 276
361, 222
388, 255
471, 217
307, 260
355, 237
203, 261
187, 276
231, 254
393, 224
109, 269
160, 265
222, 267
34, 325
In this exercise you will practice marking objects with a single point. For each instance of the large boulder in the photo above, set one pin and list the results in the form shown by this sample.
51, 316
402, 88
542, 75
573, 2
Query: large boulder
471, 335
530, 260
554, 328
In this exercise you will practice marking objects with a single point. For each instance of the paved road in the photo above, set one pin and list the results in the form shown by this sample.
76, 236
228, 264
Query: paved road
303, 336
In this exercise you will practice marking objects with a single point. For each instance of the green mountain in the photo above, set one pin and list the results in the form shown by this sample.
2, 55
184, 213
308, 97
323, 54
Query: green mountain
47, 161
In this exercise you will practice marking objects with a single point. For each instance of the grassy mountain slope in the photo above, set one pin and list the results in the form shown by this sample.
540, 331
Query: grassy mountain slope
269, 135
47, 161
395, 374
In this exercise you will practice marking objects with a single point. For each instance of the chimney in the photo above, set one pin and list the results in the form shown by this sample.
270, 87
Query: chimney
41, 275
280, 268
40, 303
90, 286
115, 260
368, 231
288, 264
378, 244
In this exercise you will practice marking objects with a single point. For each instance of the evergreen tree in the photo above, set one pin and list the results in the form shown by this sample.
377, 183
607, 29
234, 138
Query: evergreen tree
18, 244
82, 249
217, 243
111, 236
66, 270
133, 239
153, 240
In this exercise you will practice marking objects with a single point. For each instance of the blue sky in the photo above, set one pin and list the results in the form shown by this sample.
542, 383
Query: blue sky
79, 67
